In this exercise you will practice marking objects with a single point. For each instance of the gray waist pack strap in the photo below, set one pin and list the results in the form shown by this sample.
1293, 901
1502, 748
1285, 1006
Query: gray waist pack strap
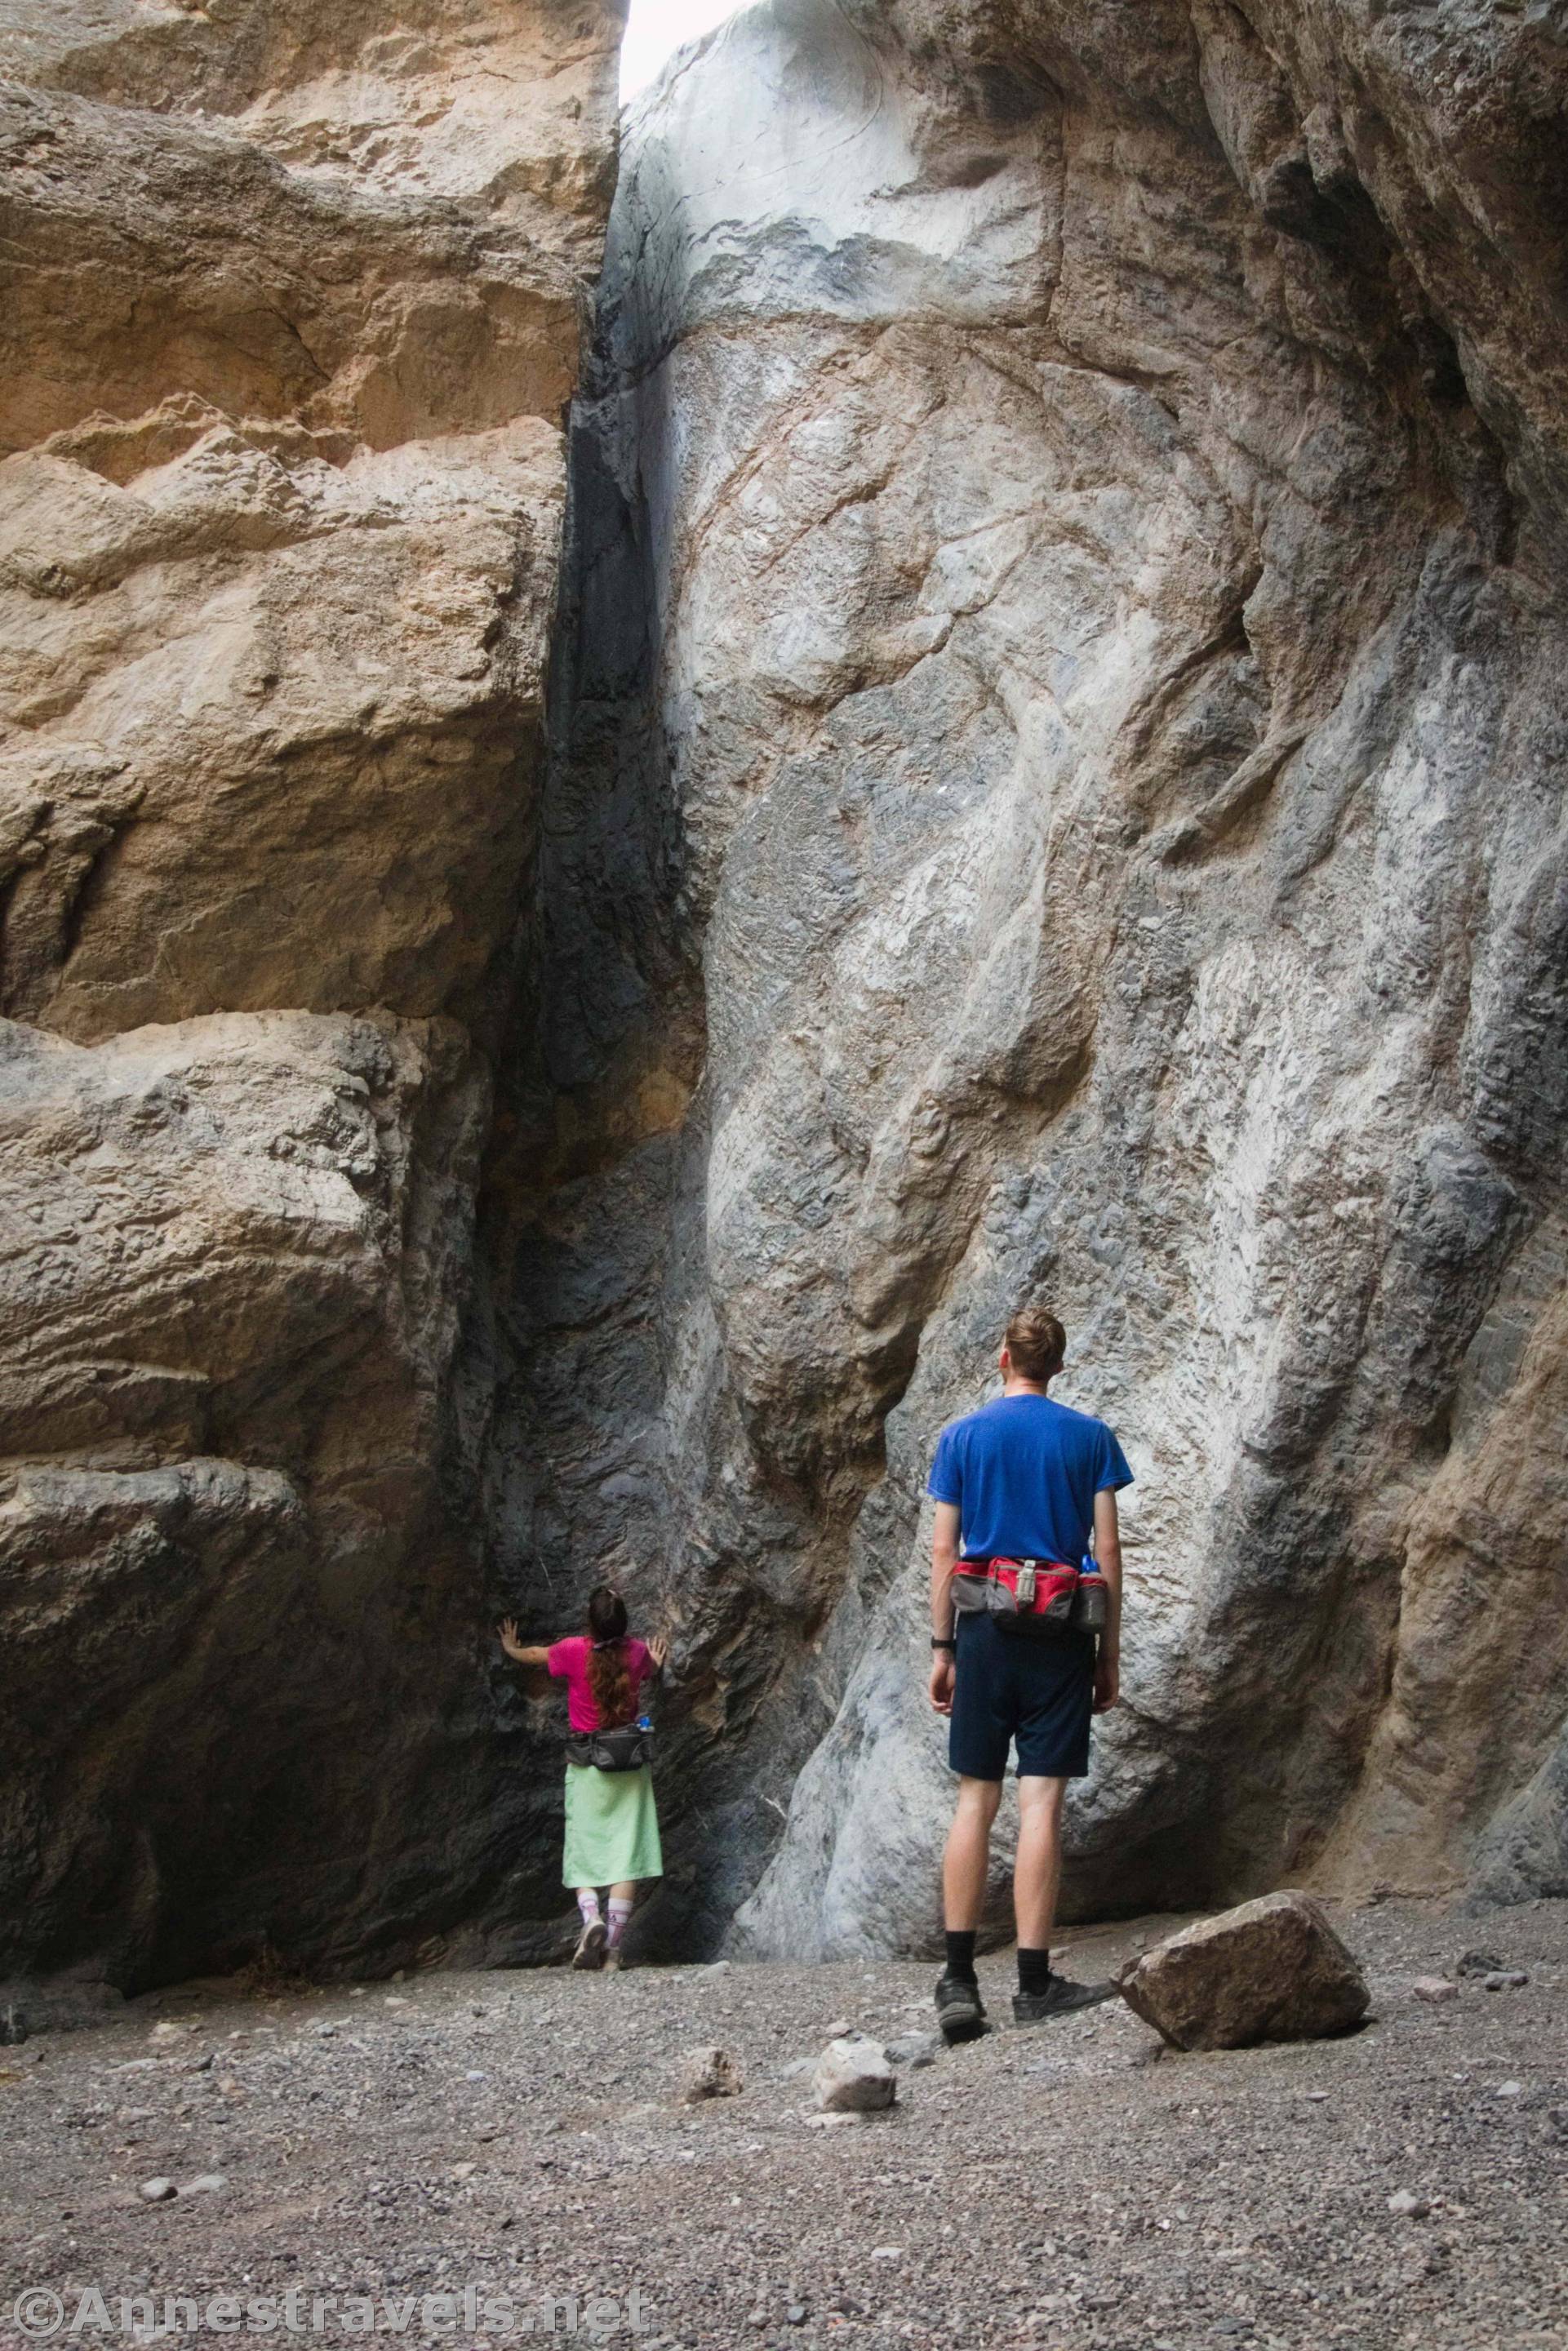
625, 1749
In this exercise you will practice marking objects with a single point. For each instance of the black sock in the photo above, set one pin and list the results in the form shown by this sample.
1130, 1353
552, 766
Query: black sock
1034, 1970
961, 1954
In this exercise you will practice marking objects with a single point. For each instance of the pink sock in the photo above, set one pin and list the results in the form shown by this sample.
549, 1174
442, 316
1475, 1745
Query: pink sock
588, 1903
619, 1914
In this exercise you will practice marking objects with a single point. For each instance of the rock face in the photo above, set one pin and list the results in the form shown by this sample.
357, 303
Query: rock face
1273, 1969
1058, 790
293, 302
1052, 783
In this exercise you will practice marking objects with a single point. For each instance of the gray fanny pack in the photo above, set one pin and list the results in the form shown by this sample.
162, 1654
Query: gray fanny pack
625, 1749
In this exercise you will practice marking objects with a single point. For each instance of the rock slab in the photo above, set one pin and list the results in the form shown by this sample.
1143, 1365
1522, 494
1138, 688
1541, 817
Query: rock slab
1273, 1969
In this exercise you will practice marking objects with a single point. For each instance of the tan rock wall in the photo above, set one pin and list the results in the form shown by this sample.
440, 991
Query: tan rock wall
293, 304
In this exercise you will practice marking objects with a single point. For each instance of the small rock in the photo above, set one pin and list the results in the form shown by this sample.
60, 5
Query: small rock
796, 2067
709, 2074
796, 2314
717, 1968
325, 2031
1504, 1980
914, 2048
206, 2183
1434, 1988
1478, 1963
887, 2253
157, 2191
853, 2076
831, 2122
1271, 1969
168, 2030
1509, 2090
839, 2027
1317, 2097
1407, 2206
464, 2171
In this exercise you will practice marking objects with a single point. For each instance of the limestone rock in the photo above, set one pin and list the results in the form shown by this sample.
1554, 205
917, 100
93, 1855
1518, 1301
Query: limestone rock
1270, 1969
854, 2076
709, 2074
293, 305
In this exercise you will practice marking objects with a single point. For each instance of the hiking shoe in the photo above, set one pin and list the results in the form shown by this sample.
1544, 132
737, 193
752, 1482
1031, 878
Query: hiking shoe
1059, 1998
960, 2011
589, 1951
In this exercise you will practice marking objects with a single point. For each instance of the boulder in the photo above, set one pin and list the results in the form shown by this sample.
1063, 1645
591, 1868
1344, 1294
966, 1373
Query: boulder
1271, 1969
855, 2076
709, 2074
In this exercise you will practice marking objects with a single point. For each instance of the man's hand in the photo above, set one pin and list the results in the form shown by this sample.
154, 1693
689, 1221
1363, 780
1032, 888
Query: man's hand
659, 1650
941, 1679
1107, 1680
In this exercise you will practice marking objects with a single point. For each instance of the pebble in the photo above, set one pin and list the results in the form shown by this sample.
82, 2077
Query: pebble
887, 2253
464, 2171
1434, 1988
1409, 2207
1509, 2090
1505, 1979
839, 2026
206, 2183
796, 2314
157, 2192
325, 2031
914, 2048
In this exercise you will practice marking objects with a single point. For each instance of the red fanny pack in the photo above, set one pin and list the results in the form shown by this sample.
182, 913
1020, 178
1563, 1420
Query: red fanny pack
1055, 1587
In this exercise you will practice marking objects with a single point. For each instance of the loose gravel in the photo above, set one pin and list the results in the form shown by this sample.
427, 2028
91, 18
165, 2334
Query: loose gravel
1068, 2186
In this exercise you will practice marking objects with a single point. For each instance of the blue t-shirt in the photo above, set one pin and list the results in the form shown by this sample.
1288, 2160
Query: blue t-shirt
1024, 1472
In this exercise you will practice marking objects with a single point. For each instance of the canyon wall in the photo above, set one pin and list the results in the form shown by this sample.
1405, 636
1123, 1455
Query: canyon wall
1043, 775
294, 306
1059, 792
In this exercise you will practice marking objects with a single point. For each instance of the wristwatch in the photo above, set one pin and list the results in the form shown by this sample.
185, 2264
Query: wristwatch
940, 1641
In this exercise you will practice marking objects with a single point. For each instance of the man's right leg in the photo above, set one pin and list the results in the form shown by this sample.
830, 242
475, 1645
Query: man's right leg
966, 1867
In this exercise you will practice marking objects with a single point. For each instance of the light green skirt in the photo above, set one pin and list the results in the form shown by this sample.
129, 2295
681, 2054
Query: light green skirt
612, 1826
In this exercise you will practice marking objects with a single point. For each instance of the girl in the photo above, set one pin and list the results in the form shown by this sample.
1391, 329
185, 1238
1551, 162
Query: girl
611, 1827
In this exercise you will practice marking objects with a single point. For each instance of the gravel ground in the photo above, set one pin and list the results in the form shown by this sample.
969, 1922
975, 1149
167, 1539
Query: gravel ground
524, 2134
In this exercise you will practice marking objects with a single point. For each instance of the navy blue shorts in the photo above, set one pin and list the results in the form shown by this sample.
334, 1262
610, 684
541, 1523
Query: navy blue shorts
1038, 1689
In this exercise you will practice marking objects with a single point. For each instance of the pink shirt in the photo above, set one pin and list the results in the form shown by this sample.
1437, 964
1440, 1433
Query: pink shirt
568, 1661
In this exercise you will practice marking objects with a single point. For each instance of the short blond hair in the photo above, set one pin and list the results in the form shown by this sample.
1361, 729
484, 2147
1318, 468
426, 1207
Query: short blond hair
1036, 1343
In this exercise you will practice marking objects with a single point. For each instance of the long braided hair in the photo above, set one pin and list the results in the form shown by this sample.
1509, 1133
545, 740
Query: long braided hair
609, 1675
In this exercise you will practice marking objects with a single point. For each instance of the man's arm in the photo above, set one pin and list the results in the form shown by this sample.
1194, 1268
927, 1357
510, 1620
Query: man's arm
1108, 1558
944, 1560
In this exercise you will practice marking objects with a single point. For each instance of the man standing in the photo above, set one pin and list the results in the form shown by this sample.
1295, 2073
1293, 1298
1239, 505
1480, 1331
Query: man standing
1023, 1481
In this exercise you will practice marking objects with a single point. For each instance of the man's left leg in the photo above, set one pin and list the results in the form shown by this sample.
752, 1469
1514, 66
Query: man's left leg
1053, 1743
1037, 1876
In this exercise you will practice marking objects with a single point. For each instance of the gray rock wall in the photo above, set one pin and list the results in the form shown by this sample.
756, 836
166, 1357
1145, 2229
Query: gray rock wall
1058, 788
